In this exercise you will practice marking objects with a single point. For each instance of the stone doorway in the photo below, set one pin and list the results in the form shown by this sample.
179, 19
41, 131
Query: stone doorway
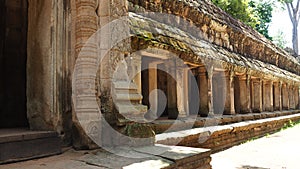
13, 53
154, 81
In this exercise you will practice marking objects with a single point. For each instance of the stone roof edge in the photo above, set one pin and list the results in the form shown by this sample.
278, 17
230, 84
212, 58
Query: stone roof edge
204, 51
212, 21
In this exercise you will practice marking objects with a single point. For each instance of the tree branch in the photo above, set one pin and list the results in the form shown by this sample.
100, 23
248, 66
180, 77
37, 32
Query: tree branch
298, 11
292, 6
290, 11
297, 6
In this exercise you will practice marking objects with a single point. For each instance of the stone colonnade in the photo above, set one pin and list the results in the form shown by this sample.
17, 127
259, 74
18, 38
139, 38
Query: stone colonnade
223, 92
245, 93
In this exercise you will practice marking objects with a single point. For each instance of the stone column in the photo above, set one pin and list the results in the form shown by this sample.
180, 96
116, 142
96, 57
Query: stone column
256, 90
172, 90
186, 91
153, 87
277, 96
248, 94
181, 92
267, 96
87, 119
291, 97
210, 97
285, 96
245, 102
297, 97
203, 91
229, 102
280, 95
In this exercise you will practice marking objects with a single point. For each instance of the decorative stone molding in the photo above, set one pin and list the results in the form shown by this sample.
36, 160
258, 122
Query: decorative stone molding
220, 28
87, 117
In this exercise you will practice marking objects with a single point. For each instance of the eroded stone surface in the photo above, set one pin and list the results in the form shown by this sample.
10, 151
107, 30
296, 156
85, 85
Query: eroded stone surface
124, 157
217, 39
222, 137
220, 28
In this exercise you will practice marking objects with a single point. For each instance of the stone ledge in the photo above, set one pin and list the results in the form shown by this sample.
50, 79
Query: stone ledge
161, 126
21, 134
218, 138
22, 144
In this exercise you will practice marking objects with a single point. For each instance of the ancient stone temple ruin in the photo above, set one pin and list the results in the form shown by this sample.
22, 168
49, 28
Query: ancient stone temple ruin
105, 73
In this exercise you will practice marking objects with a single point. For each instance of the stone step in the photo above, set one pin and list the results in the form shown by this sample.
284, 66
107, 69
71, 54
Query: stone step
131, 109
121, 121
23, 144
124, 85
129, 97
126, 91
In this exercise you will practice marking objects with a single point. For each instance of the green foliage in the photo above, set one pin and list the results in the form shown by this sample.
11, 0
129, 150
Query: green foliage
285, 1
257, 15
279, 39
238, 9
263, 10
251, 139
290, 124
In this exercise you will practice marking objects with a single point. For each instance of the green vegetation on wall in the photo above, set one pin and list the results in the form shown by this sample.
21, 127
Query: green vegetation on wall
257, 15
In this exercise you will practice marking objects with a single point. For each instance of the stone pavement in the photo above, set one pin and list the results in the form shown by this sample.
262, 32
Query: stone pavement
151, 157
277, 151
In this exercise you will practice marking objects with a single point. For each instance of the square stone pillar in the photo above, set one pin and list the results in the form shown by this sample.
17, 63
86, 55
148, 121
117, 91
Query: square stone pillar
244, 94
186, 92
256, 92
267, 95
229, 100
280, 95
182, 99
153, 87
277, 96
296, 97
203, 92
210, 97
231, 86
285, 97
172, 90
291, 97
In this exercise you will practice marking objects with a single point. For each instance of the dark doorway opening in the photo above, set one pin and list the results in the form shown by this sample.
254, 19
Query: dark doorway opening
13, 53
162, 85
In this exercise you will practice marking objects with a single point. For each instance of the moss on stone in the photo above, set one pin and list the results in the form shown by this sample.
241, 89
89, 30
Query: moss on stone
139, 130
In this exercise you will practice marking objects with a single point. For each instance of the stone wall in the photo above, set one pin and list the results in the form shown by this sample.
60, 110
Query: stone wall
57, 34
93, 92
49, 65
244, 54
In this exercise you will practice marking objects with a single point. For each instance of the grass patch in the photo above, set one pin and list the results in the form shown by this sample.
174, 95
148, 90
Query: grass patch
290, 124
